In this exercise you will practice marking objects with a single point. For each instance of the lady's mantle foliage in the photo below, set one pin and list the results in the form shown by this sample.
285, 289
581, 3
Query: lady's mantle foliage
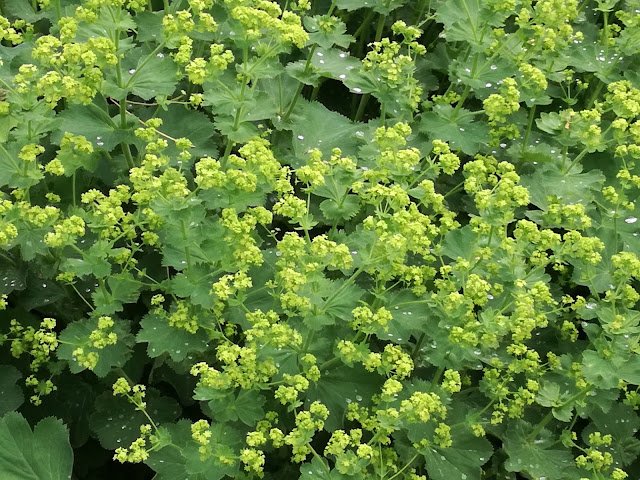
343, 239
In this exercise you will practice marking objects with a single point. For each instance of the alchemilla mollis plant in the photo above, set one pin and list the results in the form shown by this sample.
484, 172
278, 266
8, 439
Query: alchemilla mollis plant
328, 239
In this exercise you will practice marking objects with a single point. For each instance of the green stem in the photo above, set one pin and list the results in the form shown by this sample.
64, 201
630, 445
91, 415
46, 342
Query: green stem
404, 468
226, 153
532, 114
365, 98
321, 460
351, 279
187, 252
365, 23
380, 26
576, 160
292, 105
549, 415
418, 345
361, 107
437, 376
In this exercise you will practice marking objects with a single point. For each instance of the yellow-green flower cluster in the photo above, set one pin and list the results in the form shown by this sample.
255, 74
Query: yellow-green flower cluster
10, 32
447, 161
39, 344
241, 367
108, 214
138, 451
385, 63
65, 232
147, 185
394, 160
201, 433
265, 19
199, 69
499, 106
307, 423
502, 194
364, 320
241, 234
550, 23
102, 336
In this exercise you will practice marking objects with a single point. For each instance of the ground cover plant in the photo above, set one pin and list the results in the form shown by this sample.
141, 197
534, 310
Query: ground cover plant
347, 239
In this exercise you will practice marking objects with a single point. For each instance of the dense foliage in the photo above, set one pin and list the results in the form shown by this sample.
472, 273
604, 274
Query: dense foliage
348, 239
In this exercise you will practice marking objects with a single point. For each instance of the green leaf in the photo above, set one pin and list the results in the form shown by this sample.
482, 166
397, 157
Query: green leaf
314, 126
382, 7
39, 292
460, 243
411, 315
123, 289
466, 20
191, 124
571, 187
536, 457
173, 463
463, 459
599, 371
236, 132
334, 211
116, 421
74, 410
317, 470
459, 129
338, 299
44, 454
21, 9
76, 334
15, 172
550, 395
194, 284
162, 338
299, 71
339, 387
326, 39
223, 406
94, 262
622, 423
336, 64
12, 277
94, 124
11, 396
149, 24
144, 74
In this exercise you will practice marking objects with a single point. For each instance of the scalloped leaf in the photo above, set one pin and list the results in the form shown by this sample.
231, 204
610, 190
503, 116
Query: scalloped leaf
162, 338
116, 421
11, 396
77, 333
41, 454
334, 211
537, 457
172, 463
